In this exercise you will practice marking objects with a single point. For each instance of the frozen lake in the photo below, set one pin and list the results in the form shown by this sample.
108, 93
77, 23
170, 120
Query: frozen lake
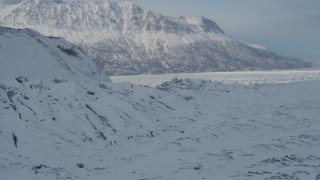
248, 77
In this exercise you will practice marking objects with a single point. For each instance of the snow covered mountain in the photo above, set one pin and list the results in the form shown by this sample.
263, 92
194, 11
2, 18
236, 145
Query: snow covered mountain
60, 118
126, 39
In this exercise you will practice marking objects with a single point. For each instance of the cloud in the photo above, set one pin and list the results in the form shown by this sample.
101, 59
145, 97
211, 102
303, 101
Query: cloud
257, 46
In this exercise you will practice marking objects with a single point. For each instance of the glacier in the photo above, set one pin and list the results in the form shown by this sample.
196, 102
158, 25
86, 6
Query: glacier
239, 77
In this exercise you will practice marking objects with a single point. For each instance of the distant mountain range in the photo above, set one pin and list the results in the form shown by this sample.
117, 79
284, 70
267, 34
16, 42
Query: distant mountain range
126, 39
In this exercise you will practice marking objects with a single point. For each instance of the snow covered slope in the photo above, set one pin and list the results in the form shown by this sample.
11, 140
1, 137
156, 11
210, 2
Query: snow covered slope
60, 119
126, 39
181, 130
27, 53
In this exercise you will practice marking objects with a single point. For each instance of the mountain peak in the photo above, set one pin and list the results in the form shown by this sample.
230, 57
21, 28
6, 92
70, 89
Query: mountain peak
126, 3
130, 6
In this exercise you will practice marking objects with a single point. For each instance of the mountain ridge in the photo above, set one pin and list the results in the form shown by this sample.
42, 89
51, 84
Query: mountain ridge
126, 39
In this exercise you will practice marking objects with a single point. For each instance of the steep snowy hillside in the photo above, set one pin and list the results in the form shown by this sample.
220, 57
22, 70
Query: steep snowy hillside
27, 53
126, 39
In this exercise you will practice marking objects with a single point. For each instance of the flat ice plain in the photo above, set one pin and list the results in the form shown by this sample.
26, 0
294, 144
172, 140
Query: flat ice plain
246, 77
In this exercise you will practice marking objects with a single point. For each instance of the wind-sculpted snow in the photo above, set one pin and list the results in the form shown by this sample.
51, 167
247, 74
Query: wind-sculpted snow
127, 39
183, 129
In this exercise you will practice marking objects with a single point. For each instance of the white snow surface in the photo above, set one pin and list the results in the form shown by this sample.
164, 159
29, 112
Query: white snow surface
80, 126
182, 129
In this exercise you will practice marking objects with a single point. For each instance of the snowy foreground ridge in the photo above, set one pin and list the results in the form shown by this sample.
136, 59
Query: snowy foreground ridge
179, 130
71, 122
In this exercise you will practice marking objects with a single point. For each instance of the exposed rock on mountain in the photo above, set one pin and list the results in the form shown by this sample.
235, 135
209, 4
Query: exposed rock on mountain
126, 39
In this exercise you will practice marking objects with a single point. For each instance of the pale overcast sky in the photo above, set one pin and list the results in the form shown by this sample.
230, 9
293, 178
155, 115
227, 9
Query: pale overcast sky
287, 27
